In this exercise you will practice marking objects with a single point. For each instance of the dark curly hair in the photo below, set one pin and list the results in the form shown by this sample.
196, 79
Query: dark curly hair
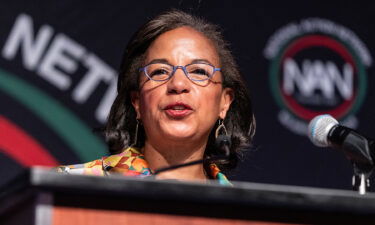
239, 122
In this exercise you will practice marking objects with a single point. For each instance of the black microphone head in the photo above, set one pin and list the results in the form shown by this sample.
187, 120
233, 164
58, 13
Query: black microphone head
319, 128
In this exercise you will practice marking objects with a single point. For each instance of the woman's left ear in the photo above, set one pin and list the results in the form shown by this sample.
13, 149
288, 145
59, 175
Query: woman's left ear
134, 95
227, 97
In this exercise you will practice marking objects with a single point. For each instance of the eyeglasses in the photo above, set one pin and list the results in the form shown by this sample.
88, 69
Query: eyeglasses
194, 71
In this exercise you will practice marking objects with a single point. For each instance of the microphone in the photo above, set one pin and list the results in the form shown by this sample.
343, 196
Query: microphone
325, 131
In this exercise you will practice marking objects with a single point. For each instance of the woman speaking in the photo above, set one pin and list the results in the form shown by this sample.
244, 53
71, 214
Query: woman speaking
178, 88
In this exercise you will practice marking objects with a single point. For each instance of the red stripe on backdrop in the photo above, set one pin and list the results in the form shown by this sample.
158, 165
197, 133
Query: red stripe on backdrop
21, 147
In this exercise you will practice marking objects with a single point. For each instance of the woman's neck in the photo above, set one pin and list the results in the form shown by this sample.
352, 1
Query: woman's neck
159, 156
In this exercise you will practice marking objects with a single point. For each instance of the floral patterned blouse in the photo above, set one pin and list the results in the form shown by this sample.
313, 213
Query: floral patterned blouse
130, 162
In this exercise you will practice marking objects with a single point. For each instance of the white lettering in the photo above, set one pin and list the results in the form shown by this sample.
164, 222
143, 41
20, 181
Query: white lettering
316, 25
98, 71
56, 59
102, 111
318, 76
344, 83
60, 61
21, 36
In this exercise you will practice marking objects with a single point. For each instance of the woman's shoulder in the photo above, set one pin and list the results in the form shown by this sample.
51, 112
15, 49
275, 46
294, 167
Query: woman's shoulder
129, 162
90, 168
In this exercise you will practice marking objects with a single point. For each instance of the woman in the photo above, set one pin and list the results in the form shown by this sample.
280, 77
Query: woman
178, 86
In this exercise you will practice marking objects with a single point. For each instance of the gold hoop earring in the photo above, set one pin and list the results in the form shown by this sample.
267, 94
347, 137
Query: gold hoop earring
135, 134
221, 127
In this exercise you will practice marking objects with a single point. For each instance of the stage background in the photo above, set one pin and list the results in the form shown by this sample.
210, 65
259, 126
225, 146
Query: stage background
59, 60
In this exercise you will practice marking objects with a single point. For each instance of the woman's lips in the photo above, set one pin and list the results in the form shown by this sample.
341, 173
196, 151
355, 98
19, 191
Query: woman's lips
178, 110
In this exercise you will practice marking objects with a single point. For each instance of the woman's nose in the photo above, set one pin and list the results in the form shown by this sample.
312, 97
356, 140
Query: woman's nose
179, 82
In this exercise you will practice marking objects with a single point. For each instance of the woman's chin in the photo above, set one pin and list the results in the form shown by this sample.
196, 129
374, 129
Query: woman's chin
179, 133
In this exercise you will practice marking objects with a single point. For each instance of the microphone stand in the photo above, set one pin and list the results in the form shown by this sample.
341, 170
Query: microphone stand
361, 153
325, 131
360, 181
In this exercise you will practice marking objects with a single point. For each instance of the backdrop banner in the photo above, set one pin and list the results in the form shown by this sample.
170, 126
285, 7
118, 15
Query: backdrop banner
59, 63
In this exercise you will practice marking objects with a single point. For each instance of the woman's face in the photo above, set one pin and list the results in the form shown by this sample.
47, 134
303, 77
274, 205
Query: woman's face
180, 109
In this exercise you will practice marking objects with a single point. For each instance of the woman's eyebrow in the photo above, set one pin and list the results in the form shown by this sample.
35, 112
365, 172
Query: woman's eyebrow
201, 61
163, 60
159, 61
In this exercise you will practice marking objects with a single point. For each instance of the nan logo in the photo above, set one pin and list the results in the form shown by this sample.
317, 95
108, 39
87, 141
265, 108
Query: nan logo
317, 67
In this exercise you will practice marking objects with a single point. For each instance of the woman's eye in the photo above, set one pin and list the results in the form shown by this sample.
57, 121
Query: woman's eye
200, 72
159, 72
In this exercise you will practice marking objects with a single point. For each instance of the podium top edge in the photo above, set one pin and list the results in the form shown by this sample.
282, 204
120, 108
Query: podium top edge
43, 177
245, 194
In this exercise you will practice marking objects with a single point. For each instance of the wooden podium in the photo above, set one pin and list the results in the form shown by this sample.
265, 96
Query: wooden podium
43, 197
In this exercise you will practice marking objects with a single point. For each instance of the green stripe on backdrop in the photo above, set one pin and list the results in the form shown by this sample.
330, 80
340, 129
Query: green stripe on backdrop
61, 120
